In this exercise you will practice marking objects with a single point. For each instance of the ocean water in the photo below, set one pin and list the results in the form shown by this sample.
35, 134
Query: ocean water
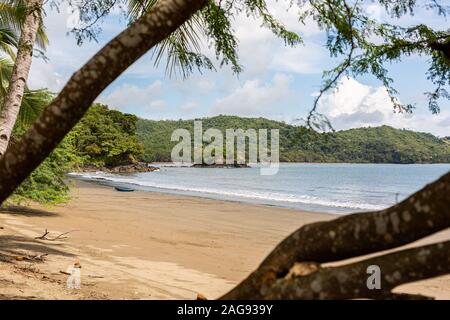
335, 188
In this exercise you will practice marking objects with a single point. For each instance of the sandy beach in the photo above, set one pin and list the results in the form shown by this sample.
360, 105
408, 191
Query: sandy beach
144, 245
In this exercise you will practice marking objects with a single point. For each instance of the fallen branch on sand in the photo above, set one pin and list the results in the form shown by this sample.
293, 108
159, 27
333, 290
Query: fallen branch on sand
37, 257
59, 237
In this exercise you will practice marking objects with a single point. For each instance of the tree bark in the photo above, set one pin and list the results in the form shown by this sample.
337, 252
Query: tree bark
21, 69
85, 85
350, 281
424, 213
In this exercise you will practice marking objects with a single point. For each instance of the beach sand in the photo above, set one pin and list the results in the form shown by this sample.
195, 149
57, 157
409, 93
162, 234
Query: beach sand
144, 245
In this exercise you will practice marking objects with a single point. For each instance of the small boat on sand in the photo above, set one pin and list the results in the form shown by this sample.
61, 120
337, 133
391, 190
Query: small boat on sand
123, 189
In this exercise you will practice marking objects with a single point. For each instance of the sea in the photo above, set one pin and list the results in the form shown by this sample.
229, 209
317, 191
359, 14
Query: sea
333, 188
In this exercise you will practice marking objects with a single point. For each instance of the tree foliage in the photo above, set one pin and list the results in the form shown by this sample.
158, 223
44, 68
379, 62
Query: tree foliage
106, 137
12, 16
47, 183
102, 138
366, 45
184, 50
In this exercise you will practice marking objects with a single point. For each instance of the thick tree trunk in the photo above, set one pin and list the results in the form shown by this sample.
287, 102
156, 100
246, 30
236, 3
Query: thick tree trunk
21, 69
350, 281
85, 85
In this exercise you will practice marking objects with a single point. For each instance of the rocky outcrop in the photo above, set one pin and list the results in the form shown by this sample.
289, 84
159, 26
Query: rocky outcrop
129, 168
221, 165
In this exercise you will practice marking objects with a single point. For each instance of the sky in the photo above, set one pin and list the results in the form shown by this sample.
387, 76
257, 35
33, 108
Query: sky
278, 82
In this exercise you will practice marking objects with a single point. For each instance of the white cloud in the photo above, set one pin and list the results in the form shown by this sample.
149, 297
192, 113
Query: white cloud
375, 11
289, 14
65, 56
257, 45
196, 84
189, 107
254, 98
308, 59
354, 104
44, 75
157, 104
260, 50
128, 95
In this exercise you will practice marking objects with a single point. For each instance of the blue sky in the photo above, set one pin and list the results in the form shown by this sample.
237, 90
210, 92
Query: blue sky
277, 82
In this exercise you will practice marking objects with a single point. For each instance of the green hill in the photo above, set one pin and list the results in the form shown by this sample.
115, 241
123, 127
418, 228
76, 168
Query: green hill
109, 137
298, 144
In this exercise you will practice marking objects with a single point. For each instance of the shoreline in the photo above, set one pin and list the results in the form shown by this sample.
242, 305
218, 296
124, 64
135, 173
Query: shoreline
321, 192
145, 245
168, 164
173, 192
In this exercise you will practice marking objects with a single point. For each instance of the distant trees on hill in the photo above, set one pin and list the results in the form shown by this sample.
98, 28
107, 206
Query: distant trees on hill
298, 144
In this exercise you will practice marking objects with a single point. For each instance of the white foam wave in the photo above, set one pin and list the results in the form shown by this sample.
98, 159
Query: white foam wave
264, 196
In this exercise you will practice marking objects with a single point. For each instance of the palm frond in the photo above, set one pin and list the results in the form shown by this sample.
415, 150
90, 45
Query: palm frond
33, 102
182, 49
6, 66
137, 7
8, 41
12, 17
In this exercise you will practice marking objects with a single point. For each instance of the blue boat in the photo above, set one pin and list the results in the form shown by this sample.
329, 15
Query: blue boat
123, 189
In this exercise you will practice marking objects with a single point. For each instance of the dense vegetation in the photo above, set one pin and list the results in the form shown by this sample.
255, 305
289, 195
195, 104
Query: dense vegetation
106, 137
298, 144
47, 184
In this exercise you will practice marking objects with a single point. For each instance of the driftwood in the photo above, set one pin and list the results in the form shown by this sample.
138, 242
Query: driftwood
36, 257
58, 237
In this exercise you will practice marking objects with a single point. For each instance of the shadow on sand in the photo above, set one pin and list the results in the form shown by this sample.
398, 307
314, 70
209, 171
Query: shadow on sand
27, 212
12, 246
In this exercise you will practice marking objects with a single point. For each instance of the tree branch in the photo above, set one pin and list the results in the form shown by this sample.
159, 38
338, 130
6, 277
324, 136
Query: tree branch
86, 84
350, 281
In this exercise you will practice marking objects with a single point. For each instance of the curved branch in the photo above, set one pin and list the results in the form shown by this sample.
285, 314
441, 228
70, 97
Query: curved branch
424, 213
86, 84
350, 281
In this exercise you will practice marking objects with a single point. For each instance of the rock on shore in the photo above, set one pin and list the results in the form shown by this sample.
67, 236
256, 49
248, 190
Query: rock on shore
217, 165
129, 168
